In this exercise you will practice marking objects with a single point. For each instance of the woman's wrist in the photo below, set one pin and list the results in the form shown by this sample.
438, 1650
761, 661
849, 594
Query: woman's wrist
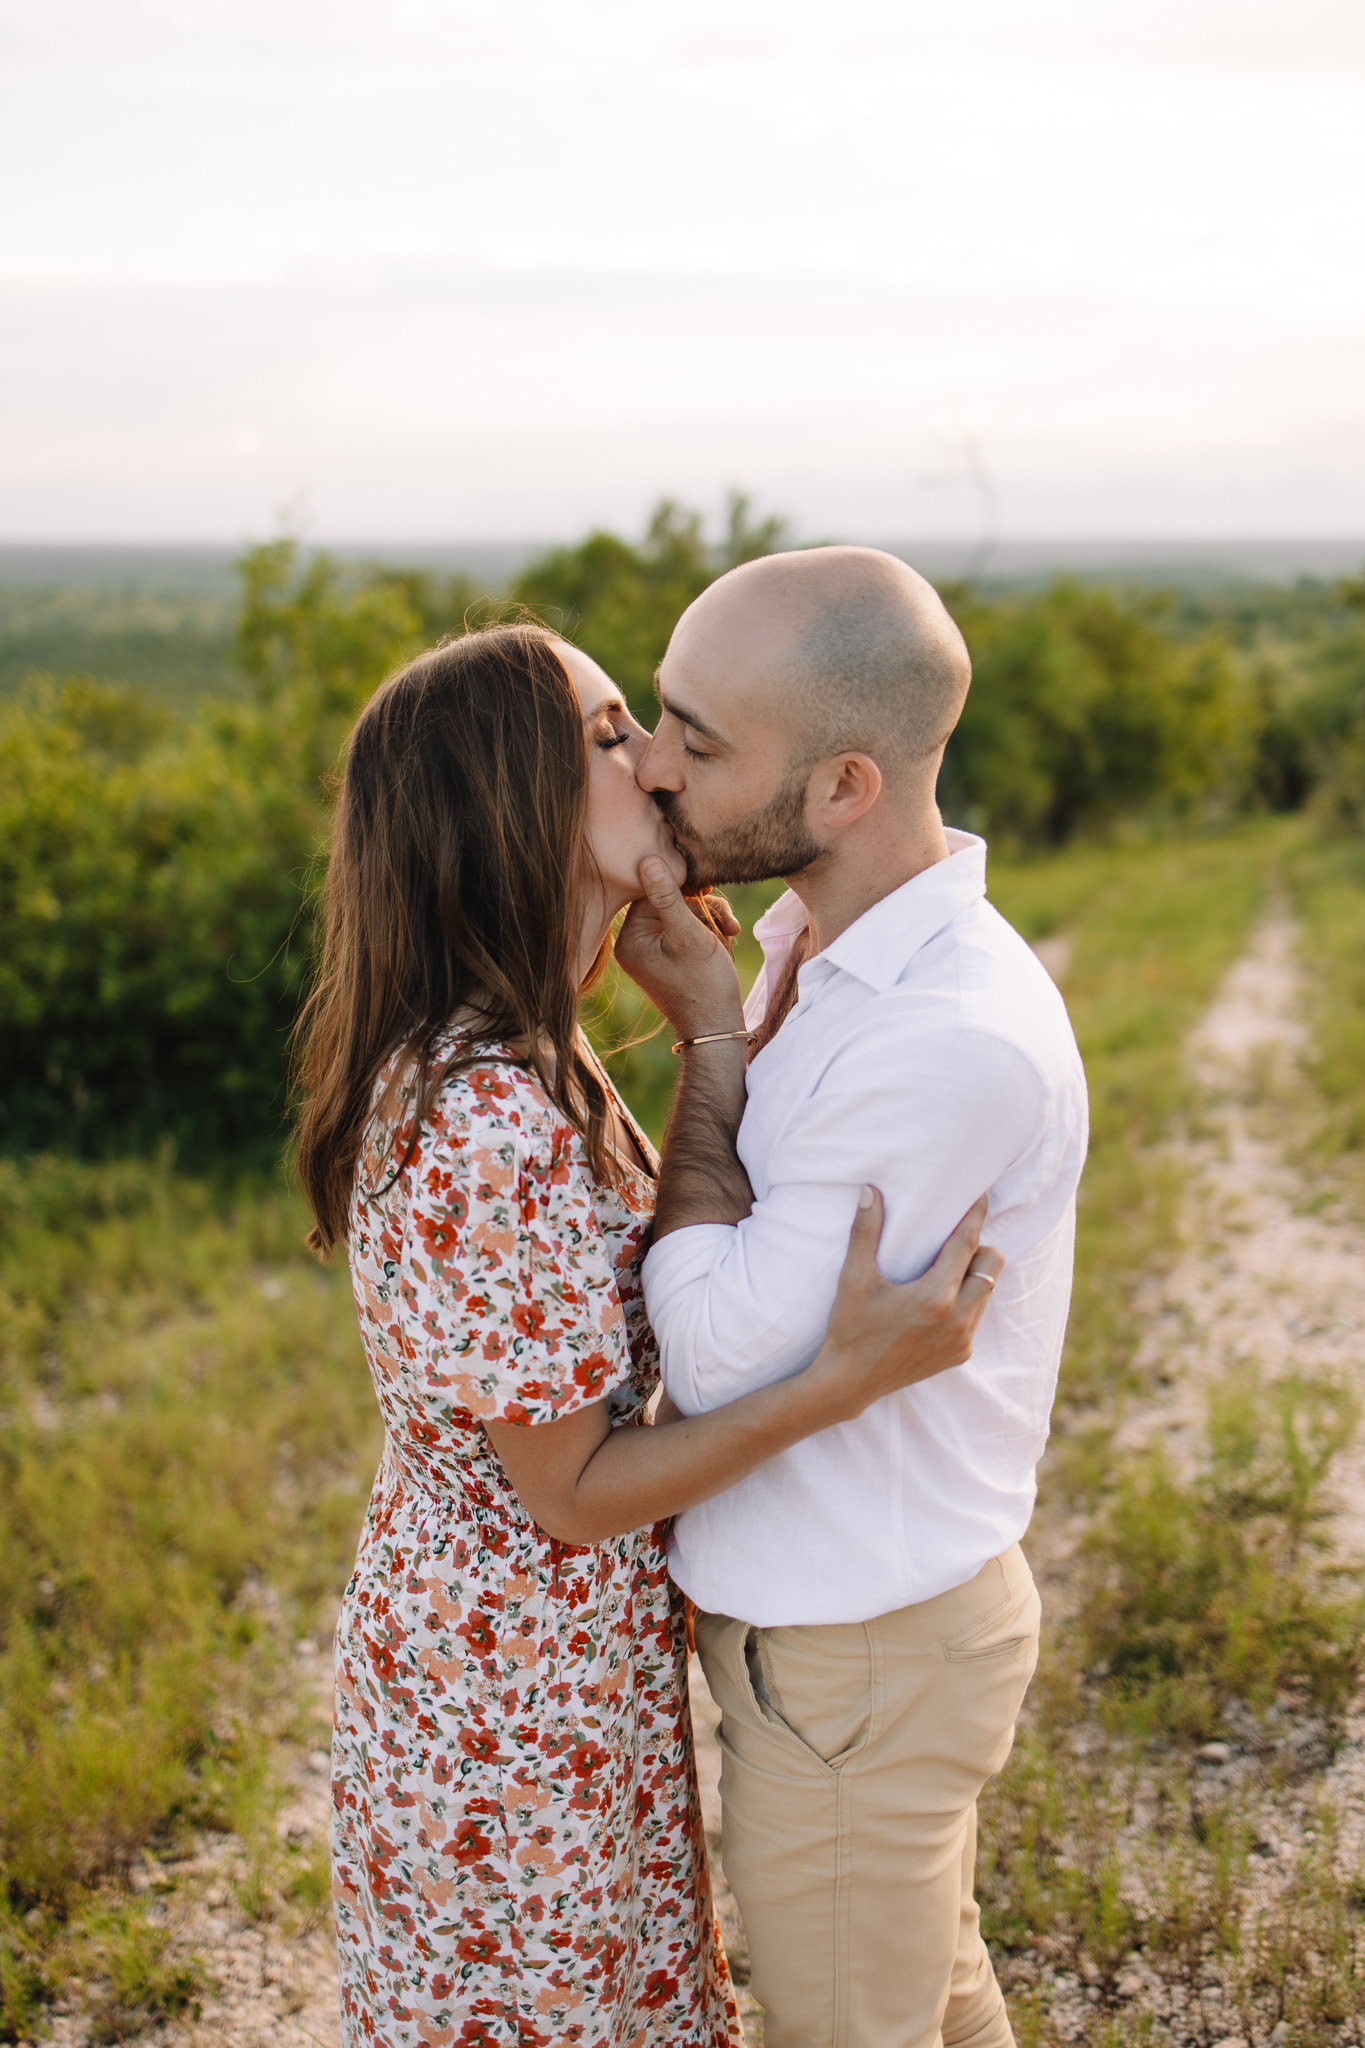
829, 1388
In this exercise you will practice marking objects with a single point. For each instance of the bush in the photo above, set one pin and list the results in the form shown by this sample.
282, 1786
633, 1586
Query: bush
188, 1436
148, 897
1083, 710
1207, 1593
620, 603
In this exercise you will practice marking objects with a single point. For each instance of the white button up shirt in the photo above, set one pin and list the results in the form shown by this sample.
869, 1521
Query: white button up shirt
928, 1053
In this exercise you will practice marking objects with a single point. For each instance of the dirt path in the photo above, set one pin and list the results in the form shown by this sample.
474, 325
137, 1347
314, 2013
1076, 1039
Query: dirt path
1273, 1271
1272, 1275
1270, 1280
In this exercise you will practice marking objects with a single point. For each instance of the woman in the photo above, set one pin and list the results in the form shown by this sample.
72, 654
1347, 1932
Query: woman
518, 1853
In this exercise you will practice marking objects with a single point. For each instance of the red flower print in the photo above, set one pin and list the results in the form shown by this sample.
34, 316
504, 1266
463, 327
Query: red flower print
382, 1660
479, 1633
468, 1844
439, 1234
529, 1318
590, 1373
476, 2033
660, 1986
478, 1948
441, 1987
587, 1758
479, 1742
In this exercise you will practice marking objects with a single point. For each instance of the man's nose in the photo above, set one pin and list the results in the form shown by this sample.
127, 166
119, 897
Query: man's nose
653, 771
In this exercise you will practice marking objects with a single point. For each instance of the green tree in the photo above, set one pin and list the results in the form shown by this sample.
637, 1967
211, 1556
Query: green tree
620, 603
1084, 709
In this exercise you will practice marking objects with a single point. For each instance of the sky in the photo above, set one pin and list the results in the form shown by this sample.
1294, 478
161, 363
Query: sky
482, 270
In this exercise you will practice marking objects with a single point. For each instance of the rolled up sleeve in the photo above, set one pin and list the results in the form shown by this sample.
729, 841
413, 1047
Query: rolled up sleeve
932, 1125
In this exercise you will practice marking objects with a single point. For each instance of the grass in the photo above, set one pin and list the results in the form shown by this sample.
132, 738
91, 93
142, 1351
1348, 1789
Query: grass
187, 1435
188, 1439
1327, 880
1154, 926
1207, 1606
1212, 1591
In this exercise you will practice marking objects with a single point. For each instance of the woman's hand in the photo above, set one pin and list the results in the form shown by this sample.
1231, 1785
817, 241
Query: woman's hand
882, 1337
585, 1482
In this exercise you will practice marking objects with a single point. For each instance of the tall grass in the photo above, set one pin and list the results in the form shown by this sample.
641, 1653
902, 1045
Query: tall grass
1154, 927
188, 1436
1327, 880
1206, 1606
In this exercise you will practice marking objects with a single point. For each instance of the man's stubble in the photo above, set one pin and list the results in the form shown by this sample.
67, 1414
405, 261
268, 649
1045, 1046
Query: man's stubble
774, 840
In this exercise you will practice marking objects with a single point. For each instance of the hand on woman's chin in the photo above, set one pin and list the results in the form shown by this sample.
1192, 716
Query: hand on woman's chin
677, 867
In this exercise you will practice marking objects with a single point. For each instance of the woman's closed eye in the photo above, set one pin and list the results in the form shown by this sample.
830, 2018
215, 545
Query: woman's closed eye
615, 739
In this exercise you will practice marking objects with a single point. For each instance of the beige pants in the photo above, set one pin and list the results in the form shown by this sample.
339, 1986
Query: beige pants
852, 1757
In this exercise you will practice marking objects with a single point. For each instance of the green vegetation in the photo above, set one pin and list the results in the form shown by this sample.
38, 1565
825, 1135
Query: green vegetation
1207, 1605
1207, 1593
186, 1428
188, 1438
156, 868
174, 646
1327, 881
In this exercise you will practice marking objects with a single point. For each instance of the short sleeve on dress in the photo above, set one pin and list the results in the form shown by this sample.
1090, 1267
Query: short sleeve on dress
508, 1278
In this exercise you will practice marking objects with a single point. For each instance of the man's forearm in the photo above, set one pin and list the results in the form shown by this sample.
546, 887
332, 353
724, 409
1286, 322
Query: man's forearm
701, 1179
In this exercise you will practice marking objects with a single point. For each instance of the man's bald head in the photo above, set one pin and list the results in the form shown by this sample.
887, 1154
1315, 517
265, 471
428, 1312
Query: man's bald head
849, 647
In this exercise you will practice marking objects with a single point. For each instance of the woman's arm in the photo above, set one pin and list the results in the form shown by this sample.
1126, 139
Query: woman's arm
585, 1482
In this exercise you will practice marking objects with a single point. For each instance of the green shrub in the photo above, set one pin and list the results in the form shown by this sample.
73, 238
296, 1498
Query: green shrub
121, 1956
189, 1436
1207, 1592
1084, 709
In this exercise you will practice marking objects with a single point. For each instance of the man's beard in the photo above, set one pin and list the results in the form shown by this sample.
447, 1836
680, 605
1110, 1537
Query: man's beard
774, 840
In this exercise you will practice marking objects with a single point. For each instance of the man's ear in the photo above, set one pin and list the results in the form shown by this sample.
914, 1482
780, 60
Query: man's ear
842, 790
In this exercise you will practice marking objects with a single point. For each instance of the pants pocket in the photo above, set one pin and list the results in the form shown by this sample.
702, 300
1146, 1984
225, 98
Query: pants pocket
981, 1653
815, 1684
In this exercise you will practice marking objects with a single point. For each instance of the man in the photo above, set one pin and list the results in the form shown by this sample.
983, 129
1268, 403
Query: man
867, 1622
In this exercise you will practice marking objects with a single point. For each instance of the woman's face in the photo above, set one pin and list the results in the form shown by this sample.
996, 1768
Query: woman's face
624, 823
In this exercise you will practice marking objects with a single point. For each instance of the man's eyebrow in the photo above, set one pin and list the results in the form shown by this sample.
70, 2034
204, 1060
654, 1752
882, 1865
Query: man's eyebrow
688, 718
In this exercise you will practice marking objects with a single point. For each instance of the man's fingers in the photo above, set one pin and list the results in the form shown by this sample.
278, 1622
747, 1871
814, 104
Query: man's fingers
666, 899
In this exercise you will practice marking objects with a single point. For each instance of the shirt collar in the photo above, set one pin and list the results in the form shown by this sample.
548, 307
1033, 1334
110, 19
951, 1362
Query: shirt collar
876, 946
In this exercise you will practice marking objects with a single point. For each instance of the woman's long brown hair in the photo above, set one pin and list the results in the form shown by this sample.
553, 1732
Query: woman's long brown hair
455, 885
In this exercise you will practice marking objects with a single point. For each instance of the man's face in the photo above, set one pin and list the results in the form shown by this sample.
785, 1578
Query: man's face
721, 767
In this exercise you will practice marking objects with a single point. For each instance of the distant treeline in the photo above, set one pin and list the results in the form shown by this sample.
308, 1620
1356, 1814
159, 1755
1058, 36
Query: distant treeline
157, 868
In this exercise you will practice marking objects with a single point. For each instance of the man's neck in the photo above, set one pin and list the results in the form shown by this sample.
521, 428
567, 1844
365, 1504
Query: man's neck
837, 892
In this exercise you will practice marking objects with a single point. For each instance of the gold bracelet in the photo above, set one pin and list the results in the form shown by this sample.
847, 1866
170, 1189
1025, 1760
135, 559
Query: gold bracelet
710, 1038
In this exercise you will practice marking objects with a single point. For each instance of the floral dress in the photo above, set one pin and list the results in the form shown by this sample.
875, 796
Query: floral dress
518, 1854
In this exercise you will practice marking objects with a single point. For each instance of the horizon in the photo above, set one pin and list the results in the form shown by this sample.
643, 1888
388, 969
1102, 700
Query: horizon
206, 566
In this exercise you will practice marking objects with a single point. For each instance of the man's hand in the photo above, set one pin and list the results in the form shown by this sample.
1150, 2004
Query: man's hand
674, 950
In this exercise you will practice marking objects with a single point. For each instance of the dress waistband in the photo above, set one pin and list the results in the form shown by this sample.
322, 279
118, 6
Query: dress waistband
457, 1493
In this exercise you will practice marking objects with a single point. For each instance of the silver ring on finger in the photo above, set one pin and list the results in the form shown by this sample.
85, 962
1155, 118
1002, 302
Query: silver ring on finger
975, 1273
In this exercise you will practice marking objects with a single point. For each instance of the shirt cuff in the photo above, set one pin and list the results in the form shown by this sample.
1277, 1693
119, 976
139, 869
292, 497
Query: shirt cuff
675, 1276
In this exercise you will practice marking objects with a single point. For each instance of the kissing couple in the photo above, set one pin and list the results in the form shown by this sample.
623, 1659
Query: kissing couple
773, 1376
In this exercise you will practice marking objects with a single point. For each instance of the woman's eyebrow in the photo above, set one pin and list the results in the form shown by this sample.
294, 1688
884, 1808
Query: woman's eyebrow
608, 707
